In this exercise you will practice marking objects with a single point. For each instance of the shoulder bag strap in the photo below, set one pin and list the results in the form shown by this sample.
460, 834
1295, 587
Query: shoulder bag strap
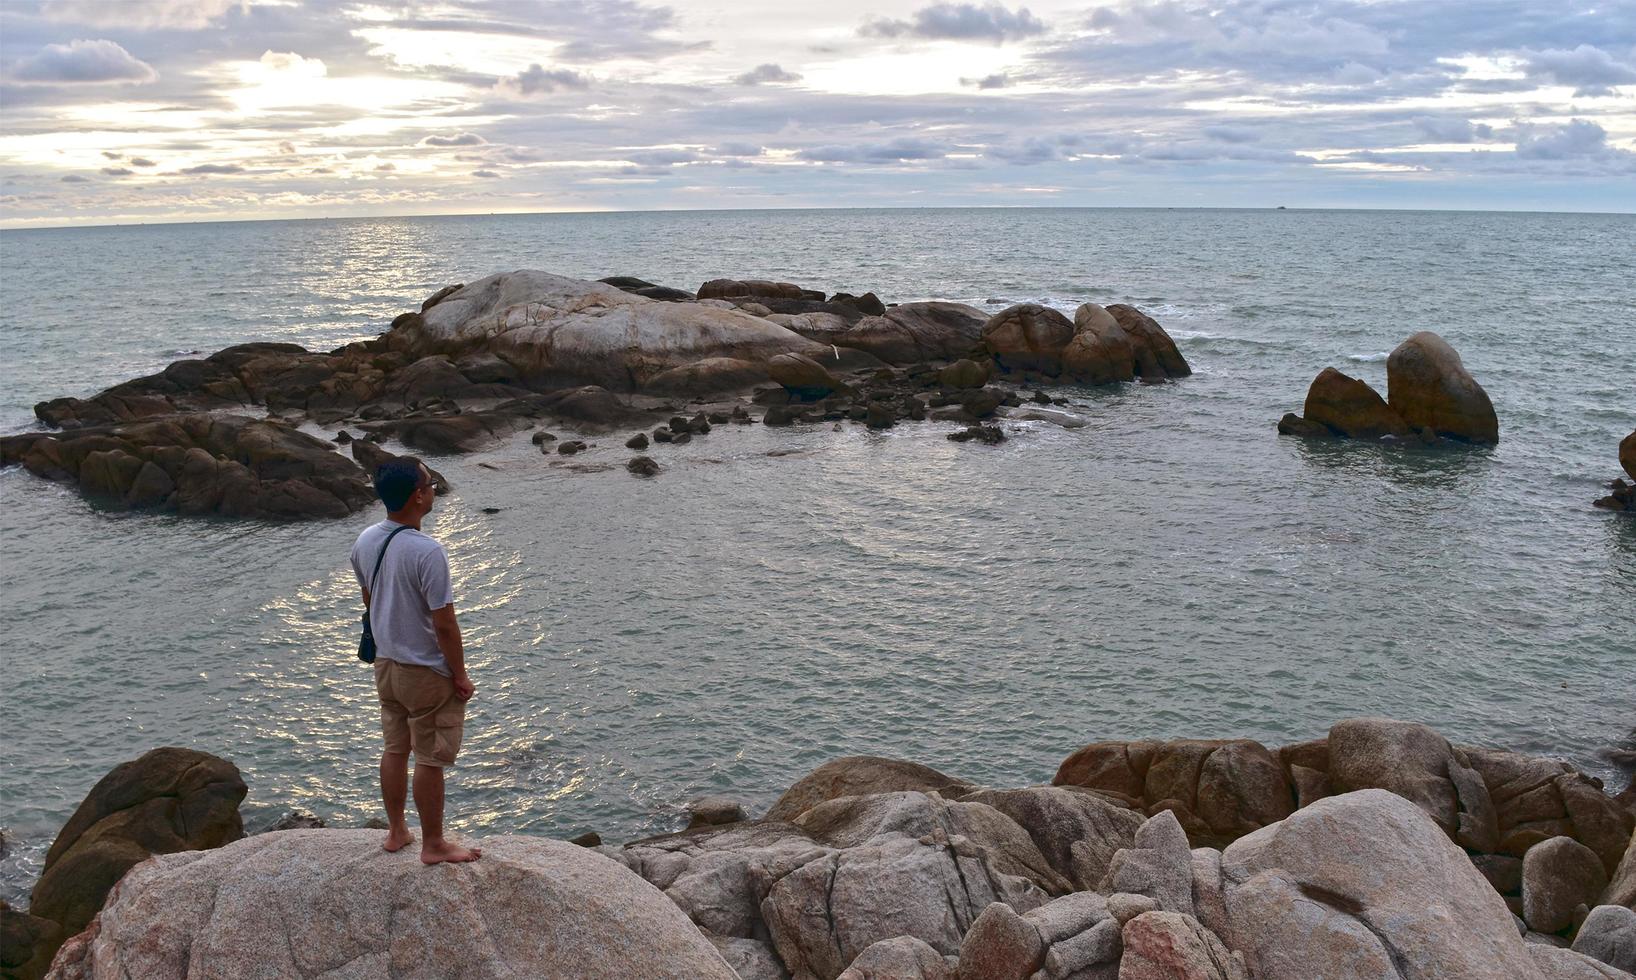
382, 557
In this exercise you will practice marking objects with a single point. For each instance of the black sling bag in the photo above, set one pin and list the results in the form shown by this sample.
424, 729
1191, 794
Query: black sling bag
366, 645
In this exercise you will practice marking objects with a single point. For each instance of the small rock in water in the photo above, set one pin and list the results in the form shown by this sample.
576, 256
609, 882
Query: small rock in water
542, 437
491, 510
663, 434
643, 466
638, 441
295, 820
682, 438
1041, 398
779, 415
712, 811
986, 434
571, 447
342, 438
718, 418
588, 839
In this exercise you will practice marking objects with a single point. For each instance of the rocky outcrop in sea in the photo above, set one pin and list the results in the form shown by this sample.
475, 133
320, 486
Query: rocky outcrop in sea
231, 434
1380, 851
1622, 495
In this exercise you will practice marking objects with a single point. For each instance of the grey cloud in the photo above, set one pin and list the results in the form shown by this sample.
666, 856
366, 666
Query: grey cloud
1447, 129
960, 22
661, 158
484, 173
460, 139
1591, 69
733, 148
1576, 138
1231, 134
83, 62
213, 168
535, 79
988, 81
898, 150
74, 179
111, 155
386, 168
765, 74
142, 162
118, 171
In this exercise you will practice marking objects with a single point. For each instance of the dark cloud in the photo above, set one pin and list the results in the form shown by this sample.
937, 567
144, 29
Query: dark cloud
484, 173
1231, 134
111, 155
74, 179
899, 150
1590, 69
141, 162
662, 158
535, 79
459, 139
1576, 138
139, 14
988, 81
83, 63
118, 171
765, 74
1452, 129
990, 22
213, 168
734, 148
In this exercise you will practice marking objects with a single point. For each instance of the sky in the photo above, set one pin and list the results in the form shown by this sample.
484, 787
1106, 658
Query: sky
117, 111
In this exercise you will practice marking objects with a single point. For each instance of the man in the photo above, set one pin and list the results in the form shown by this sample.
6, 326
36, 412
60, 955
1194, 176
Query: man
420, 663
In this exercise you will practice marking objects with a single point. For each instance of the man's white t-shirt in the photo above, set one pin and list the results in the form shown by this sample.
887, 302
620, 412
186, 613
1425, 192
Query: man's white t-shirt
413, 581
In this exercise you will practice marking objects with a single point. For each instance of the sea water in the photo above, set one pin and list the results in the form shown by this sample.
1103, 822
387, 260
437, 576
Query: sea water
1175, 568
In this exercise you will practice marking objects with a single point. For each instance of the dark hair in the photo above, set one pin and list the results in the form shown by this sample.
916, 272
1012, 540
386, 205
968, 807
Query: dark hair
396, 480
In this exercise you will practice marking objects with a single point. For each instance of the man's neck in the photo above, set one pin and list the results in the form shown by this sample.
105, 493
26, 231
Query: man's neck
406, 518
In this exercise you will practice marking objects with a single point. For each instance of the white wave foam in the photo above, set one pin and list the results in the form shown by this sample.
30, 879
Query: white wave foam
1368, 358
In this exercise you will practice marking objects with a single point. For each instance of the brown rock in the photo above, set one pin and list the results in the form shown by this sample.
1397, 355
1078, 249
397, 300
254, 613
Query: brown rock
1173, 946
1156, 356
964, 373
1100, 351
1558, 876
903, 958
1428, 386
911, 333
859, 775
1028, 337
643, 466
736, 288
802, 376
1352, 408
1079, 833
27, 943
165, 801
1627, 454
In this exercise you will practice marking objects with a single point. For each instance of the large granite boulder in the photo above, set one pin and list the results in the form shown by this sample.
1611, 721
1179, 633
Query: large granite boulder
164, 801
902, 958
913, 332
1218, 789
1428, 386
198, 464
1157, 358
558, 331
1028, 337
1075, 936
1364, 884
802, 376
1349, 407
1100, 352
1622, 884
1172, 946
1558, 876
1418, 764
333, 903
1609, 934
861, 775
27, 944
757, 288
1536, 799
1556, 963
1078, 832
1627, 454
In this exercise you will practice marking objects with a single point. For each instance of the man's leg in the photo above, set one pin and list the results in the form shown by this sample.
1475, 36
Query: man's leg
394, 789
429, 804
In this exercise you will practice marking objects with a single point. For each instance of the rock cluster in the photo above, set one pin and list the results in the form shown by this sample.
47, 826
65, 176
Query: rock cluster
1379, 851
1623, 495
1430, 396
481, 361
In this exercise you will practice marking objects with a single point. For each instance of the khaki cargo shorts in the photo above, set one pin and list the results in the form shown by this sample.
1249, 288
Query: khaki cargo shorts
419, 711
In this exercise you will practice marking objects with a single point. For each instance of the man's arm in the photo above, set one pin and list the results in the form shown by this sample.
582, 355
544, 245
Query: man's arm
453, 649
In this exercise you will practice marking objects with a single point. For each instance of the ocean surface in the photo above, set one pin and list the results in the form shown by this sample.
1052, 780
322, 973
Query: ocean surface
1176, 568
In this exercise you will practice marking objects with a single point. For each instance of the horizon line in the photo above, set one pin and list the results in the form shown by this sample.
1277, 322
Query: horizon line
6, 227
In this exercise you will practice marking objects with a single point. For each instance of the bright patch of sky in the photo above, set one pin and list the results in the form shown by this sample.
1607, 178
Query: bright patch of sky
152, 110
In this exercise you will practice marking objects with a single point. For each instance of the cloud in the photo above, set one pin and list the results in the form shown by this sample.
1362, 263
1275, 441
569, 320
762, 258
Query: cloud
74, 179
459, 139
1576, 138
534, 79
987, 82
990, 22
484, 173
899, 150
111, 155
735, 148
83, 62
213, 168
1231, 134
765, 74
386, 168
662, 158
118, 171
141, 15
1591, 69
142, 162
1452, 129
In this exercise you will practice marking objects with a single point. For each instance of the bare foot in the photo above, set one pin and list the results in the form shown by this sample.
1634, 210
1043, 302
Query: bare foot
437, 852
397, 840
